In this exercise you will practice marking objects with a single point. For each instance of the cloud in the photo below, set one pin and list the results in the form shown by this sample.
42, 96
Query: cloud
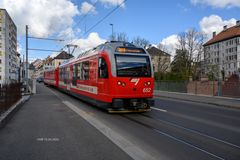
91, 41
54, 54
218, 3
170, 44
87, 8
69, 33
44, 17
19, 48
214, 23
109, 3
208, 25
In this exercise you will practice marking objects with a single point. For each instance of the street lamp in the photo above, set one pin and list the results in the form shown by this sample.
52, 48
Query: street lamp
112, 31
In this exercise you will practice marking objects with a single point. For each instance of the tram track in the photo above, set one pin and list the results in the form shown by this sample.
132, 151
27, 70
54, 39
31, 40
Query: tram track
214, 147
175, 135
192, 131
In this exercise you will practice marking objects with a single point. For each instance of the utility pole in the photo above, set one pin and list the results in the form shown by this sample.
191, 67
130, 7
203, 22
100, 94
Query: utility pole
35, 49
112, 31
26, 58
23, 70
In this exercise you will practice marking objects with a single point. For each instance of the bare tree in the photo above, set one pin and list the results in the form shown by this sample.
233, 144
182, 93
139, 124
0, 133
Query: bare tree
141, 42
122, 37
162, 47
164, 63
191, 41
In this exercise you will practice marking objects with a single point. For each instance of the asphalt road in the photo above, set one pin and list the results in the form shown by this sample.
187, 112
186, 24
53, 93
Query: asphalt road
53, 125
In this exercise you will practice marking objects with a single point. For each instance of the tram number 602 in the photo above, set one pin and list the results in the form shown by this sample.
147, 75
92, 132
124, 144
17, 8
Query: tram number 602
146, 90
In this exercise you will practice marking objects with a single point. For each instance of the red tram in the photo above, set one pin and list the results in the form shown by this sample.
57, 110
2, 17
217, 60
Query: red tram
117, 76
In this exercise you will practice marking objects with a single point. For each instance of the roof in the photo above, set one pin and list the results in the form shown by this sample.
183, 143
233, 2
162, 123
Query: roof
63, 55
6, 12
225, 34
48, 60
155, 51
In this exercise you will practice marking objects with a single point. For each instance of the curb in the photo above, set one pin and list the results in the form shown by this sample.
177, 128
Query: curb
6, 116
199, 101
201, 95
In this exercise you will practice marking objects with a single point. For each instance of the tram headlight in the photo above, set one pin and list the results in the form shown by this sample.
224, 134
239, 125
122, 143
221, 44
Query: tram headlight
119, 83
147, 83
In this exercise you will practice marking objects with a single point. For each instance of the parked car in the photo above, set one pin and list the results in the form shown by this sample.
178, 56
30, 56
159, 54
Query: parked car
40, 79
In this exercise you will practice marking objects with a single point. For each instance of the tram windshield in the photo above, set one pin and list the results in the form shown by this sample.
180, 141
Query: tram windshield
133, 66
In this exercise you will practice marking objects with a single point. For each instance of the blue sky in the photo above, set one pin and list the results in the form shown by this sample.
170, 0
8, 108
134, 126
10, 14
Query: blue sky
155, 20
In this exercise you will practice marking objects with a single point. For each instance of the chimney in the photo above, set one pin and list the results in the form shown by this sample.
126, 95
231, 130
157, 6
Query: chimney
238, 23
214, 34
224, 27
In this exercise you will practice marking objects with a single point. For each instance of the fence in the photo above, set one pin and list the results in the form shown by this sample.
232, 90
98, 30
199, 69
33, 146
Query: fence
9, 94
211, 88
171, 86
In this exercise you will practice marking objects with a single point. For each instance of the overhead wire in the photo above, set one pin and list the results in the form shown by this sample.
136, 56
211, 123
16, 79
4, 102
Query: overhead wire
102, 19
80, 20
107, 15
85, 15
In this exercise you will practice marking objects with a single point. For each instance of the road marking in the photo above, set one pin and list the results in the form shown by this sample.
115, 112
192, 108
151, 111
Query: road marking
158, 109
188, 144
131, 149
200, 133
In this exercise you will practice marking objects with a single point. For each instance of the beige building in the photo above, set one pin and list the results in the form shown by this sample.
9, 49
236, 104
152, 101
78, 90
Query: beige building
60, 58
9, 60
223, 52
161, 60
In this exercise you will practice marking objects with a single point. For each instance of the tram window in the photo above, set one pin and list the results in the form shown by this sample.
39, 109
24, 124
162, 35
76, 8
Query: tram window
82, 70
102, 68
133, 66
85, 70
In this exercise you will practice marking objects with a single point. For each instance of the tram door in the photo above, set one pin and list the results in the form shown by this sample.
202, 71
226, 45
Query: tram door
103, 84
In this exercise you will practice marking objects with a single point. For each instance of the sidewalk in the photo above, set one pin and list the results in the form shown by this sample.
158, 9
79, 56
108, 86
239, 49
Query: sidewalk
220, 101
44, 128
7, 115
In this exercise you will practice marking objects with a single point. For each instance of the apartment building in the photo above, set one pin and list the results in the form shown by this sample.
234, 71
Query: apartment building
222, 52
9, 60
